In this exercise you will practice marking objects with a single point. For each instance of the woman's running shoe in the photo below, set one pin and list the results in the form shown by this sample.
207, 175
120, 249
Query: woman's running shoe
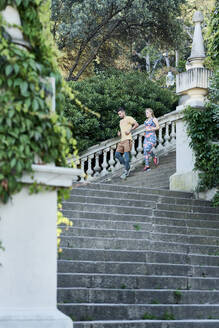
147, 168
156, 160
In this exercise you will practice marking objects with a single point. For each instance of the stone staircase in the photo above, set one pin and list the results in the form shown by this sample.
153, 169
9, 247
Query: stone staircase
139, 256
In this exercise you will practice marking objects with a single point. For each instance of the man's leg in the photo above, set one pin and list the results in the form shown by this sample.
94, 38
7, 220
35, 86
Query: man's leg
119, 156
127, 159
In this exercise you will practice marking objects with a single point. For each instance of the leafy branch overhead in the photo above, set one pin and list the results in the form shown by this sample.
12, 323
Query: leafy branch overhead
85, 26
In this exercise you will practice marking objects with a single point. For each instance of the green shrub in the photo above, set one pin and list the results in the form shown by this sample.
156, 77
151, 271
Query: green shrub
106, 92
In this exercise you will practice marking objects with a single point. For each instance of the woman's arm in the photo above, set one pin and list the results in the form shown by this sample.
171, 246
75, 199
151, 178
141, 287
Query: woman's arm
157, 127
153, 128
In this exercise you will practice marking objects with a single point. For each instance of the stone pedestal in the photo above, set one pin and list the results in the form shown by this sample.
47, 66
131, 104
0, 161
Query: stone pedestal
185, 179
28, 271
192, 86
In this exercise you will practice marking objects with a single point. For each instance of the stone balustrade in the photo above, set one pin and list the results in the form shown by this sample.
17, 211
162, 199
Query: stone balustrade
99, 160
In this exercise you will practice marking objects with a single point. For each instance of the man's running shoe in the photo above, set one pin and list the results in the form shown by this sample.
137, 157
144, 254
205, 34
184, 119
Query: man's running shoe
125, 174
156, 160
147, 168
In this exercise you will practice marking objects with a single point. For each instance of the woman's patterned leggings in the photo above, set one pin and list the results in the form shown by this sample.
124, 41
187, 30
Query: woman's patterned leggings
148, 145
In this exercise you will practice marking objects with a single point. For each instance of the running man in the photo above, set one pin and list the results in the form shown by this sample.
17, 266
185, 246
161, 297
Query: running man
127, 124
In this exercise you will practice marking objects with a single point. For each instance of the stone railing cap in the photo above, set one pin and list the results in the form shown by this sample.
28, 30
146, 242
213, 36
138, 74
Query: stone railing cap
51, 175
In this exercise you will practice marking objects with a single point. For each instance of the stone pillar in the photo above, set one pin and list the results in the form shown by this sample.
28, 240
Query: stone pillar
192, 86
28, 265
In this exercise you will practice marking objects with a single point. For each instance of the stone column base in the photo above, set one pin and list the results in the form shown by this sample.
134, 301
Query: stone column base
207, 195
187, 181
34, 319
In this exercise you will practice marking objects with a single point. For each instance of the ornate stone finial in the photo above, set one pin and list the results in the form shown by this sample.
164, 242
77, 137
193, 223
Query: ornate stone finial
198, 17
197, 56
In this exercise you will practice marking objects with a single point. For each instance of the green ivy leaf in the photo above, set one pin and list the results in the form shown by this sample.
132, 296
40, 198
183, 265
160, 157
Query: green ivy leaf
35, 105
8, 70
23, 88
16, 68
13, 162
18, 2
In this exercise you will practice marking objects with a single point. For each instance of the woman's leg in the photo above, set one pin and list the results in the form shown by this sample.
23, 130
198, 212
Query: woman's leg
147, 152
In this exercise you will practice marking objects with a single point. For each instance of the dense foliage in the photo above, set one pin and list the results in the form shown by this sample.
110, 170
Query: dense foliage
27, 125
213, 36
86, 25
104, 93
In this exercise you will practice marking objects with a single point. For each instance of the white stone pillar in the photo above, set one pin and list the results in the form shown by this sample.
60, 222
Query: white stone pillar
28, 271
192, 85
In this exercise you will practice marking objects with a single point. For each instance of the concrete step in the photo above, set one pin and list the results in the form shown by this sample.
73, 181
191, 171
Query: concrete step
189, 208
135, 312
185, 215
122, 209
138, 244
127, 188
137, 203
128, 281
94, 211
128, 222
132, 229
208, 323
138, 268
138, 233
153, 175
137, 296
157, 180
108, 201
78, 254
136, 196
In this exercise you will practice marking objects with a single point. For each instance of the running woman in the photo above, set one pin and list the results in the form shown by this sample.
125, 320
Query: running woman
150, 139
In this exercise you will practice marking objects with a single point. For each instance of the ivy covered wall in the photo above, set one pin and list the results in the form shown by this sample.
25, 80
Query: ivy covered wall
27, 125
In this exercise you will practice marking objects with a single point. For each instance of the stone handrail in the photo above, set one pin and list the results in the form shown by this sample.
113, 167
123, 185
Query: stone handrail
99, 160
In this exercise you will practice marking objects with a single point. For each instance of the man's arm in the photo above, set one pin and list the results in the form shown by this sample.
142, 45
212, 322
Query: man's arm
133, 127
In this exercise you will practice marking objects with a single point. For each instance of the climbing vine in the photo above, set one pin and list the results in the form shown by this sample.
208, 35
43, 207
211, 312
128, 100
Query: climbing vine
28, 128
203, 127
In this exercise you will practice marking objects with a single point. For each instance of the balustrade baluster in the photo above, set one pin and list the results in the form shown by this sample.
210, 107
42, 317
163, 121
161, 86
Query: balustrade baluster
173, 133
118, 165
167, 136
160, 146
97, 167
140, 146
90, 170
82, 168
133, 152
104, 164
112, 161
